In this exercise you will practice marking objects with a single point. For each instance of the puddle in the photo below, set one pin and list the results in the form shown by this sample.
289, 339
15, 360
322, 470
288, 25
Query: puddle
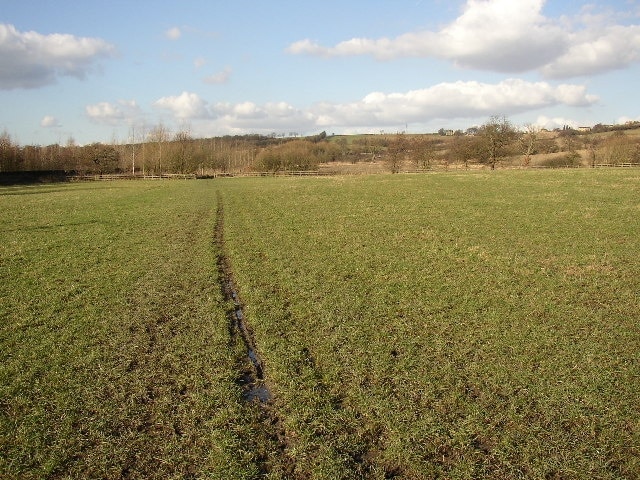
254, 390
253, 382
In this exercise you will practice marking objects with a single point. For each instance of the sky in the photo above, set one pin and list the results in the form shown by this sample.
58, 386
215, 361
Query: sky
112, 71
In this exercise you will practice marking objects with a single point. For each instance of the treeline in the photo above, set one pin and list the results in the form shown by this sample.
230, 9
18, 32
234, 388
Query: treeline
496, 142
159, 153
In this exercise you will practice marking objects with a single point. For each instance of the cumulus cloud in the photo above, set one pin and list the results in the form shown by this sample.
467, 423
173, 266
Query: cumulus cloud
500, 35
184, 106
505, 36
554, 122
32, 60
123, 111
596, 51
173, 33
244, 110
445, 101
219, 78
249, 116
624, 119
452, 100
49, 121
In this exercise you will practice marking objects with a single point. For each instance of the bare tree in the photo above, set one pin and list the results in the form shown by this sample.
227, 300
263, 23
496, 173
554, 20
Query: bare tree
527, 141
617, 148
496, 135
465, 149
396, 152
183, 157
425, 151
7, 152
592, 143
133, 150
159, 135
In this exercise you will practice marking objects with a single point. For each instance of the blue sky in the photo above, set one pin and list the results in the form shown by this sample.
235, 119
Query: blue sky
100, 71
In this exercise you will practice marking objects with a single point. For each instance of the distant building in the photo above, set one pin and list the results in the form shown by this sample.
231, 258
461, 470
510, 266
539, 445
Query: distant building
584, 129
448, 133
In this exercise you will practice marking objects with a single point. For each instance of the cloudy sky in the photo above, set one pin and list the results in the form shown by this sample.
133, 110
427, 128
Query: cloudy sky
102, 70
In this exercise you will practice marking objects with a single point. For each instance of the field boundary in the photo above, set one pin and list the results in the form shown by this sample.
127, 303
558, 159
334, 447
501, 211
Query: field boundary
128, 176
10, 178
301, 173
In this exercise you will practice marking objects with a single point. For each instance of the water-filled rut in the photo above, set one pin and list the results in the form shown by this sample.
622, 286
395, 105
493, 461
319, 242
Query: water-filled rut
251, 375
267, 439
275, 451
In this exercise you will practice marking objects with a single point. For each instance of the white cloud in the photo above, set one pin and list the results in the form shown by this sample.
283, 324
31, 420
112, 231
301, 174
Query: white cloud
32, 60
624, 119
199, 62
219, 78
249, 117
173, 33
248, 110
309, 47
506, 36
452, 100
184, 106
610, 48
500, 35
49, 121
554, 122
445, 101
124, 111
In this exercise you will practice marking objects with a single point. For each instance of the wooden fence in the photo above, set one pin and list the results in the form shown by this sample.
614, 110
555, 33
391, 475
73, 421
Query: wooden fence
301, 173
316, 173
126, 176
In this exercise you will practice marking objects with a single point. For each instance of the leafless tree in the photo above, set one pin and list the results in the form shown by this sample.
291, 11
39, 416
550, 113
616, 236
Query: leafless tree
496, 136
159, 135
396, 152
527, 141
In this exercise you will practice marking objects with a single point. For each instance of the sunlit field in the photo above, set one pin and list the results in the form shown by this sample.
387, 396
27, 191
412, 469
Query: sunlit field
115, 359
450, 325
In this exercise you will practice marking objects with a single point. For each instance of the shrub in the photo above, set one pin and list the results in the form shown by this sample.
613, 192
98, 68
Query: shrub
571, 159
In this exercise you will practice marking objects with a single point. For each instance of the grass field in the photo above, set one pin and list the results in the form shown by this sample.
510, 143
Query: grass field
115, 360
452, 325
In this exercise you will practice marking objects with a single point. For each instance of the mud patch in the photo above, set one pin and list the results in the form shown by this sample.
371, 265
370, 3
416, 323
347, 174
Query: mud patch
252, 377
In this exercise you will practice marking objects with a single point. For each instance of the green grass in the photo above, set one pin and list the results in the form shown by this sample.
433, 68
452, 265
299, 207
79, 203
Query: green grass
114, 347
455, 325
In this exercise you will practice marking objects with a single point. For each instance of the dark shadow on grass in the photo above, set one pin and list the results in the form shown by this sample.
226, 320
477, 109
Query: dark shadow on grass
36, 228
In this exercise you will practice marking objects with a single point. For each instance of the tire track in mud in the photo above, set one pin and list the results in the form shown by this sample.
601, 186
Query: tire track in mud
269, 441
252, 371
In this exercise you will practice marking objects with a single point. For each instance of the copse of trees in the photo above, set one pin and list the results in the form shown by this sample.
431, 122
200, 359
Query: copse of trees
615, 149
487, 144
93, 158
296, 155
